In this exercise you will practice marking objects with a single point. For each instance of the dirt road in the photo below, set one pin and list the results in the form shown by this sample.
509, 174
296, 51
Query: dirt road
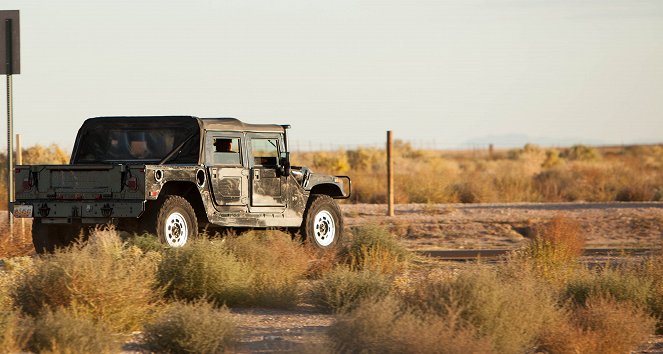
481, 226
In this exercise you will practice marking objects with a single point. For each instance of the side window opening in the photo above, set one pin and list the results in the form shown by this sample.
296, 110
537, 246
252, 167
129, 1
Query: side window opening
226, 151
265, 151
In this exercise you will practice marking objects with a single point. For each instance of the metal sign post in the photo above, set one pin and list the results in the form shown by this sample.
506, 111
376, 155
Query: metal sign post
10, 151
10, 48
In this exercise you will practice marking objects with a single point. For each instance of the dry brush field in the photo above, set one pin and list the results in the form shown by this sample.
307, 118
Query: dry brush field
262, 291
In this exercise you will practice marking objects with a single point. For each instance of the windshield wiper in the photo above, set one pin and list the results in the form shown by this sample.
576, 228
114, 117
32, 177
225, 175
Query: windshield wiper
177, 150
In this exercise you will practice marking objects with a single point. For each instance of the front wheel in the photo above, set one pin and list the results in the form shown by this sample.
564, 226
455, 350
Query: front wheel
176, 222
323, 222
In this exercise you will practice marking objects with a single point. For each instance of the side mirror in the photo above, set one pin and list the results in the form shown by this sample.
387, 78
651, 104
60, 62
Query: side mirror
284, 163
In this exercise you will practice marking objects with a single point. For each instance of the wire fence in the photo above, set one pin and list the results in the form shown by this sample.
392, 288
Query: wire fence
308, 145
296, 145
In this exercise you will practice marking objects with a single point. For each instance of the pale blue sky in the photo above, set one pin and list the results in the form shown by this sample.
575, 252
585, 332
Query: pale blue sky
343, 72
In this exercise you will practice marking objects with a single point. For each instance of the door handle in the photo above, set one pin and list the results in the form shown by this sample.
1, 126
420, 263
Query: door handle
256, 175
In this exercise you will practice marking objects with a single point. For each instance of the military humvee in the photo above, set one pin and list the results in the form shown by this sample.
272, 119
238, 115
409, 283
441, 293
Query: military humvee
175, 176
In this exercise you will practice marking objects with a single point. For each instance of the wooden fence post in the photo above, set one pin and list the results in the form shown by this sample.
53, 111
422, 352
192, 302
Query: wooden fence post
19, 161
390, 175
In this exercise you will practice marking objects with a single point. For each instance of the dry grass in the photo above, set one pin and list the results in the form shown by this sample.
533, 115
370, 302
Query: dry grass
652, 269
320, 263
601, 326
254, 269
555, 249
196, 327
373, 248
204, 269
369, 263
490, 311
510, 313
66, 331
386, 326
15, 332
577, 173
620, 284
530, 174
18, 242
277, 265
342, 288
102, 279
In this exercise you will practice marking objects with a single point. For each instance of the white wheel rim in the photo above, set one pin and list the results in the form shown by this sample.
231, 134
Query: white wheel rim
176, 230
324, 228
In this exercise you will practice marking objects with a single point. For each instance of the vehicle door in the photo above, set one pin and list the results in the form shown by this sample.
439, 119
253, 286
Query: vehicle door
267, 184
227, 169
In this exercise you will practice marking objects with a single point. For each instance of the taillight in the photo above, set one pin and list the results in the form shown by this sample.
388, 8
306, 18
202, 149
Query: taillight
27, 184
132, 183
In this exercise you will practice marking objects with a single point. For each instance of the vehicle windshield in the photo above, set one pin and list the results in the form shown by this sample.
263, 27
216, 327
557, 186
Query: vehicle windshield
139, 141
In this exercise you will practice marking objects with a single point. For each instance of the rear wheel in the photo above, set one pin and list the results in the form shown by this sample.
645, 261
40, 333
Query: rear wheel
323, 222
176, 222
47, 237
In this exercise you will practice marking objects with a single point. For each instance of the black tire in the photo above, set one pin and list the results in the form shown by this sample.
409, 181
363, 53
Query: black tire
323, 222
47, 237
176, 222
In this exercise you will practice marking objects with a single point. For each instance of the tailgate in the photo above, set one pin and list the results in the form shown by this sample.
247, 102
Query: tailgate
70, 181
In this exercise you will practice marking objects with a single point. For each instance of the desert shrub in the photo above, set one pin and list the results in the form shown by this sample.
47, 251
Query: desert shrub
530, 158
65, 331
512, 314
646, 156
321, 263
369, 187
582, 153
38, 154
476, 187
278, 264
12, 270
429, 181
101, 279
374, 248
552, 158
635, 192
14, 332
204, 269
256, 268
146, 242
554, 184
512, 181
658, 194
387, 326
366, 159
555, 249
652, 269
196, 327
331, 162
618, 284
13, 335
342, 288
591, 182
602, 325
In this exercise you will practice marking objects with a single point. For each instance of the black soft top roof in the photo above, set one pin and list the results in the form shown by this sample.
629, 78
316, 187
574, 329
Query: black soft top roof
231, 124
